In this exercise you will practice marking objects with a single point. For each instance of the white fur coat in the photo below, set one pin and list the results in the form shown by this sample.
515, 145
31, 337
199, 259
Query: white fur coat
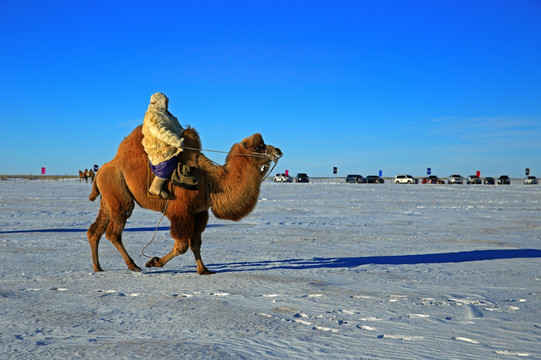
161, 131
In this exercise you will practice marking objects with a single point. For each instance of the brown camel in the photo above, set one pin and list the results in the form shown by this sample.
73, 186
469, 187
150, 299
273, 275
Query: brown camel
91, 175
83, 175
230, 191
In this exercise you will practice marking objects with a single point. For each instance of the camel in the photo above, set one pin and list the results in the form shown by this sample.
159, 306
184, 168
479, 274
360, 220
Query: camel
83, 175
91, 175
231, 191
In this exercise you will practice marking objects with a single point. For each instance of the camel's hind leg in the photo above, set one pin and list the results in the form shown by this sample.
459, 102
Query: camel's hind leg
94, 233
116, 206
114, 234
112, 227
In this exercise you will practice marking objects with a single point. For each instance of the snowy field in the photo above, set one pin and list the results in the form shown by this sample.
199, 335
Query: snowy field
317, 271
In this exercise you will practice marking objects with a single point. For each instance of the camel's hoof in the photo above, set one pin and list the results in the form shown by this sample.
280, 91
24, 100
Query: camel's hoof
154, 262
135, 268
205, 271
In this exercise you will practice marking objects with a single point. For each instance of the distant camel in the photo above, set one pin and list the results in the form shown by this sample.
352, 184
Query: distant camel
231, 191
91, 175
83, 175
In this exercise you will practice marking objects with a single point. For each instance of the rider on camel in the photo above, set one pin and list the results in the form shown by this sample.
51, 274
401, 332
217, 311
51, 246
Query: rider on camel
162, 140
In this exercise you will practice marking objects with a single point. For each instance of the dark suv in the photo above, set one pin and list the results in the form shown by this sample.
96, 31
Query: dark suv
355, 179
302, 177
504, 180
374, 179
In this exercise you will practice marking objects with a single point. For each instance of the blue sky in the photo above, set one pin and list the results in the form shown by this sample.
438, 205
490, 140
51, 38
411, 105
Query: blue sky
362, 85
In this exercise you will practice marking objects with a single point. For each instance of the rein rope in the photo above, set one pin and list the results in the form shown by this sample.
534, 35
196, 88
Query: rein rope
226, 152
155, 231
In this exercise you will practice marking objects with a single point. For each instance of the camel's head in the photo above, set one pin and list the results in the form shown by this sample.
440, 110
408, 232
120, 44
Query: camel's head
261, 153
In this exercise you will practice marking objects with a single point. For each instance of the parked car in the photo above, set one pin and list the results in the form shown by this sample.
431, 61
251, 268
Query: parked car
433, 179
530, 180
455, 179
474, 179
282, 178
355, 179
374, 179
302, 177
489, 181
405, 179
504, 180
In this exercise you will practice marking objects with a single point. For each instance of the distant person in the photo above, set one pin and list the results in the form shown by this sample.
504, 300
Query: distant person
162, 140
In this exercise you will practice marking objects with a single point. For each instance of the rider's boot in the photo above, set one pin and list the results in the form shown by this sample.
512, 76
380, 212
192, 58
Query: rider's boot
156, 188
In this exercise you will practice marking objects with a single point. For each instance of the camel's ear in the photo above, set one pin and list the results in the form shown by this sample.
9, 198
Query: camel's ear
245, 145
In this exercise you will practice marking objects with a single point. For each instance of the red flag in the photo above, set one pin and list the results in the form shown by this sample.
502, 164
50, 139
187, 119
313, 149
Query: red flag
42, 171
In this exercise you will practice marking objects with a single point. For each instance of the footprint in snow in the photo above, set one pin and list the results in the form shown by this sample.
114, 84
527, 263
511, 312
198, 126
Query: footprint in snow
511, 353
182, 295
465, 339
400, 337
418, 316
366, 327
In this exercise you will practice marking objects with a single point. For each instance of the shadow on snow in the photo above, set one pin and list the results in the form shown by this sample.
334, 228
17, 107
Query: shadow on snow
352, 262
337, 262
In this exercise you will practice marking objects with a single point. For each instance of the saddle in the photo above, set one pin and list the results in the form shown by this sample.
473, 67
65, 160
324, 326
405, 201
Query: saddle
185, 176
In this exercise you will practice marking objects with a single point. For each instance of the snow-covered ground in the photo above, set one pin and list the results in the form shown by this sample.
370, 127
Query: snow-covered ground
317, 271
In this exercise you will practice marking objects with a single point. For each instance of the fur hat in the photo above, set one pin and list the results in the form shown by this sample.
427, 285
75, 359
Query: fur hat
159, 101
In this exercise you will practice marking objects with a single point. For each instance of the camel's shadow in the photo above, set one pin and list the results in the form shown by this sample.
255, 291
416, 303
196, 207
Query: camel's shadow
352, 262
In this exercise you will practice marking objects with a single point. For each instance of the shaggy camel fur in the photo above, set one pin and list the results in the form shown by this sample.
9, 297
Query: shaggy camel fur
230, 191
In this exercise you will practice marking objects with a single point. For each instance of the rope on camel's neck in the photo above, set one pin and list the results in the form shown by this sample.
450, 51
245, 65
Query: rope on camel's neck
260, 155
225, 152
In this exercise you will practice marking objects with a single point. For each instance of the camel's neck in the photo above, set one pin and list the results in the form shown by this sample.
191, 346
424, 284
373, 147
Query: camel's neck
236, 194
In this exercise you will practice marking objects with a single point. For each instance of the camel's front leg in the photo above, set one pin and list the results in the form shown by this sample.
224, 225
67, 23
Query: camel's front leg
195, 244
180, 231
180, 247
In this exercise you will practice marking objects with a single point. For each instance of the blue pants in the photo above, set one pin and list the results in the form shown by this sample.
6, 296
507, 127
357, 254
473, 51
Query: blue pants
165, 168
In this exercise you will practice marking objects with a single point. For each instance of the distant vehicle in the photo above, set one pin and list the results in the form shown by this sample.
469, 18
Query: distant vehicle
489, 181
355, 179
302, 177
474, 179
530, 180
455, 179
405, 179
374, 179
282, 178
504, 180
433, 179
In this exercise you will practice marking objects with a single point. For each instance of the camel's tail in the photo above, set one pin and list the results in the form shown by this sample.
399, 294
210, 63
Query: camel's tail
95, 191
